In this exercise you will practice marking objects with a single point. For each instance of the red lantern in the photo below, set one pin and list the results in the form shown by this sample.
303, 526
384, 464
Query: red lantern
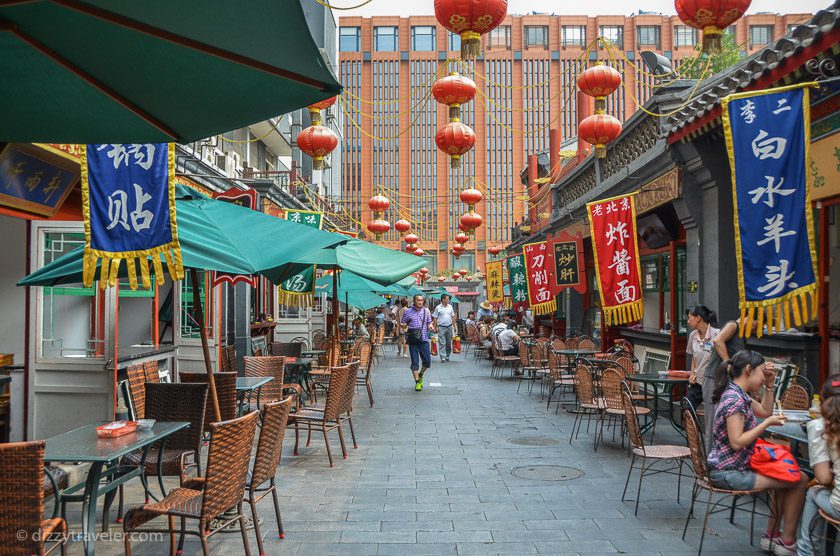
494, 250
441, 279
424, 270
379, 227
317, 141
469, 278
455, 277
471, 220
410, 248
419, 252
463, 272
711, 17
461, 237
599, 81
455, 139
470, 19
411, 238
456, 253
453, 91
471, 197
315, 109
458, 248
379, 203
402, 225
598, 130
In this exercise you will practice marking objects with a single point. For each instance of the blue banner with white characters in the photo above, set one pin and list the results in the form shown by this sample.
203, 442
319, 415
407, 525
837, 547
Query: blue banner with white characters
128, 199
767, 139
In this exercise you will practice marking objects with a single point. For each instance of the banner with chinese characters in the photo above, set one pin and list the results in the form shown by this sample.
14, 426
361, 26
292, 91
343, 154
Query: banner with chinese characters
128, 208
517, 280
768, 138
495, 282
566, 263
36, 178
615, 246
540, 274
244, 198
300, 289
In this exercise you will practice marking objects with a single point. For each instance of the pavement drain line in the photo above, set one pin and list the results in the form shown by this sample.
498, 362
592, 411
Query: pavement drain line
533, 441
547, 473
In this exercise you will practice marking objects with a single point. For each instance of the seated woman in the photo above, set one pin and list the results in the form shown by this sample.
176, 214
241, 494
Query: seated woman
734, 433
485, 336
823, 438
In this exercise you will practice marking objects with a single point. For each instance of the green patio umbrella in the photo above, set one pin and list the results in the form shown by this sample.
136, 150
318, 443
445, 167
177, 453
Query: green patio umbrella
106, 71
439, 292
351, 282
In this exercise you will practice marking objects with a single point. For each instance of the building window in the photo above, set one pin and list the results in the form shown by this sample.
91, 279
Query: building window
500, 37
648, 35
613, 33
423, 38
574, 35
536, 35
350, 39
760, 35
731, 30
684, 35
385, 39
454, 42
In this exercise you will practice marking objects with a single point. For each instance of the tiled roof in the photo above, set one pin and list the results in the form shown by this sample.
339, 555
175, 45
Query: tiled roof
746, 72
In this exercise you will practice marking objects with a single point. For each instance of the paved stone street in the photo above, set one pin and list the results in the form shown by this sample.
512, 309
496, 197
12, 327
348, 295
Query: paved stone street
435, 473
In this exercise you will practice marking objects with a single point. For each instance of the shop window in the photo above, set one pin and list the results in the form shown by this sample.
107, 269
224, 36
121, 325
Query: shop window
72, 317
190, 327
656, 279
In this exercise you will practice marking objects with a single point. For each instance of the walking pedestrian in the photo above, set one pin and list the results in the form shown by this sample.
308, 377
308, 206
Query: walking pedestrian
416, 323
701, 385
443, 317
402, 348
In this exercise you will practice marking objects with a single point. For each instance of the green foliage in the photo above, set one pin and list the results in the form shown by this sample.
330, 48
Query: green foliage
728, 55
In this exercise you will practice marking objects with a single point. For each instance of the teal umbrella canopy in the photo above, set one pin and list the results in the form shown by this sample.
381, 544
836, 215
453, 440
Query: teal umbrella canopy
351, 282
119, 71
214, 235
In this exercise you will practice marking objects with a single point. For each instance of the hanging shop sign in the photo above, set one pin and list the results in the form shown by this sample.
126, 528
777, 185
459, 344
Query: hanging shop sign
307, 217
36, 179
495, 282
767, 139
824, 168
517, 280
566, 263
244, 198
540, 273
128, 209
615, 247
299, 290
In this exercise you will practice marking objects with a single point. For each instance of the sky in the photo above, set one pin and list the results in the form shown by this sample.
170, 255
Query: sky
568, 7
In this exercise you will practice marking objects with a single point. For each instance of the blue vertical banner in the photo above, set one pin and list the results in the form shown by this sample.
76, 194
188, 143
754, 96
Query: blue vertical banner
767, 139
128, 206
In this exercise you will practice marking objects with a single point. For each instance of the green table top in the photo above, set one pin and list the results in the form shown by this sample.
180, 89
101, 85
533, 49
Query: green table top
82, 444
245, 383
654, 378
301, 362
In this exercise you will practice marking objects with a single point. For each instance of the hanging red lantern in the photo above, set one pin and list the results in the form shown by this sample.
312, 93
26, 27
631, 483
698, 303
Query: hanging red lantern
410, 248
470, 19
463, 272
402, 225
315, 109
469, 278
598, 130
455, 252
419, 252
459, 248
471, 197
455, 139
599, 81
411, 238
461, 237
379, 203
424, 270
471, 221
317, 141
711, 17
453, 91
379, 227
441, 279
494, 250
455, 277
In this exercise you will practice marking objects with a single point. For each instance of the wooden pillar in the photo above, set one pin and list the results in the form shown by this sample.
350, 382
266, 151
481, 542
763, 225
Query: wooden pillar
822, 314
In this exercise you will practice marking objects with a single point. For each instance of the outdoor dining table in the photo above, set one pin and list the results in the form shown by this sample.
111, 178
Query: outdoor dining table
313, 353
671, 384
83, 445
245, 386
298, 372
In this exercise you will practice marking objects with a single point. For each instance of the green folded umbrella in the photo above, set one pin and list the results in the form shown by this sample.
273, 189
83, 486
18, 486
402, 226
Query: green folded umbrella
106, 71
352, 282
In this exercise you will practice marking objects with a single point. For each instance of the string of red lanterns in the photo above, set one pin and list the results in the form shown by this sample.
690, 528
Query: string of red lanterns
470, 19
600, 128
711, 17
378, 226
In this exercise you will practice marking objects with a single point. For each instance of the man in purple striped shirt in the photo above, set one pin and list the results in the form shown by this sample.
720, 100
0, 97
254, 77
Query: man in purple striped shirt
417, 322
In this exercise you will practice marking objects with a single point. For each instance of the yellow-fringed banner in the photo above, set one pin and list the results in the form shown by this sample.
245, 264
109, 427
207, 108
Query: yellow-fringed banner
128, 208
767, 139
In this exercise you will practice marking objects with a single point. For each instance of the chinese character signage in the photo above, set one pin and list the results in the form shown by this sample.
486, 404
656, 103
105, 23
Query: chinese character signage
128, 208
540, 273
767, 138
495, 282
615, 246
566, 271
518, 280
300, 289
307, 217
244, 198
36, 179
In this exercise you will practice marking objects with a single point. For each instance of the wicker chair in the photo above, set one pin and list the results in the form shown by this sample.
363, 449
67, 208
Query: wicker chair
275, 367
671, 456
500, 360
335, 411
365, 367
302, 341
136, 375
571, 343
22, 503
151, 370
227, 467
527, 368
320, 374
228, 359
286, 349
318, 337
611, 386
559, 378
702, 481
588, 404
586, 343
795, 397
225, 392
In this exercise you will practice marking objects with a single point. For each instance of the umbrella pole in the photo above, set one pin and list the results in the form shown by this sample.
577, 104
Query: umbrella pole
208, 366
335, 306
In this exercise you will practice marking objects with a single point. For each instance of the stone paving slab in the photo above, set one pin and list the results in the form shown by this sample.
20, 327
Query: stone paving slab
433, 474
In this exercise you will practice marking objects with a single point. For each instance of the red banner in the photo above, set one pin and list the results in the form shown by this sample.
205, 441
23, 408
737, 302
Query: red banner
244, 198
539, 268
612, 223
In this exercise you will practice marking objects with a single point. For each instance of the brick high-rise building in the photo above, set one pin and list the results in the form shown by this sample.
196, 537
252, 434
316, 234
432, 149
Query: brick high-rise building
528, 67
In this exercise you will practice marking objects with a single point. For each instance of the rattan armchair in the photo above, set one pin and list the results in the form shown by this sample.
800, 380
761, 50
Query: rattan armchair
559, 378
795, 397
365, 354
588, 403
500, 361
225, 392
286, 349
22, 529
228, 359
136, 375
275, 367
227, 467
612, 380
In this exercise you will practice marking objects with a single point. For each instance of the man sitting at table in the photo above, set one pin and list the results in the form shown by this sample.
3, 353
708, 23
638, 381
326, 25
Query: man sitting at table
359, 329
509, 339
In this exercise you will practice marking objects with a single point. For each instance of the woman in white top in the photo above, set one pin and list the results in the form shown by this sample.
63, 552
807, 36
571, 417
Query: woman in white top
701, 387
